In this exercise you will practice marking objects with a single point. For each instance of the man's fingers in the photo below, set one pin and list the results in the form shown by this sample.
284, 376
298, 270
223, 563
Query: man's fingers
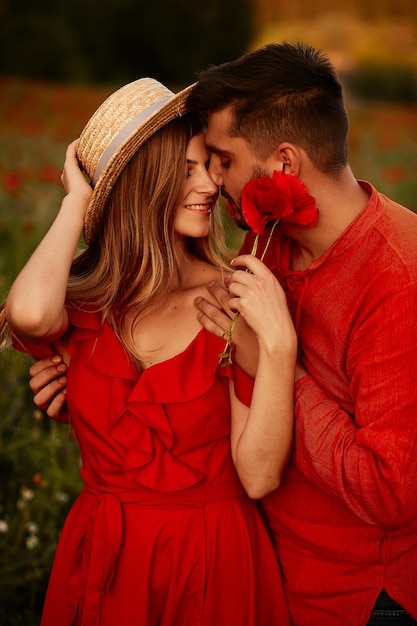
222, 296
47, 394
211, 317
42, 377
57, 407
42, 364
48, 384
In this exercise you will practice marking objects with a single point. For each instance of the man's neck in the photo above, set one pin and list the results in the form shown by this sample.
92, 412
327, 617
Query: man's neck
339, 204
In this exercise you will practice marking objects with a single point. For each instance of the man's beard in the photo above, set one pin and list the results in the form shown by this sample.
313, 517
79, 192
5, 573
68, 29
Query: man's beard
257, 172
239, 219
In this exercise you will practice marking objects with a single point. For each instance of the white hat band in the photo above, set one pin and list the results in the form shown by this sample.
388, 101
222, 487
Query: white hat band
124, 134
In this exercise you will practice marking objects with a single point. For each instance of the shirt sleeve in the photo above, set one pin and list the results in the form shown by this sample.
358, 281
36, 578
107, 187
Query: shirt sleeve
368, 458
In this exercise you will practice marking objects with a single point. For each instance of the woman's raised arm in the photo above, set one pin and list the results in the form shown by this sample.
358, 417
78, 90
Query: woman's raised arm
35, 304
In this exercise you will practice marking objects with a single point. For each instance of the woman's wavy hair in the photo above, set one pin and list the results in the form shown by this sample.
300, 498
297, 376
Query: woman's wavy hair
134, 259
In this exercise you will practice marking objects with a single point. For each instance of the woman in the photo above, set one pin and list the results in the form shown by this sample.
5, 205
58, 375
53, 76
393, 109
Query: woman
163, 532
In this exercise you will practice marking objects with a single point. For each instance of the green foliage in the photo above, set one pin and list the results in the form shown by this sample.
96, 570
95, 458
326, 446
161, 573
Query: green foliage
39, 463
396, 83
39, 467
118, 41
383, 148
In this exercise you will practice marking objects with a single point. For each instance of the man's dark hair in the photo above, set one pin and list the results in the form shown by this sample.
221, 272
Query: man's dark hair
280, 92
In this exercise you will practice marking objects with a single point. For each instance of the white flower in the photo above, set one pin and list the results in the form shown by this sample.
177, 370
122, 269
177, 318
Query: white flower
32, 542
27, 494
62, 497
32, 528
4, 527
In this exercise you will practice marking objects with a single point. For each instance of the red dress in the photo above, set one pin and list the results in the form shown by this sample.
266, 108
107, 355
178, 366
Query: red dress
163, 533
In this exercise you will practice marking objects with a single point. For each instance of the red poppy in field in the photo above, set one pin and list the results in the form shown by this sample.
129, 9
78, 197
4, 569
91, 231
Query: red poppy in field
12, 182
50, 174
394, 174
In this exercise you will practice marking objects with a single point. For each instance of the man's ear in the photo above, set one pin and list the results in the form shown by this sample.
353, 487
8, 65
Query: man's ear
290, 156
286, 157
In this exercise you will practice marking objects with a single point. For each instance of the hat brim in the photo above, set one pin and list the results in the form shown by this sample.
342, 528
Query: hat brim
173, 108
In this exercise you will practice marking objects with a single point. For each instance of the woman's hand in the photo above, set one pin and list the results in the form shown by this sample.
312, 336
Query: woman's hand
75, 183
257, 295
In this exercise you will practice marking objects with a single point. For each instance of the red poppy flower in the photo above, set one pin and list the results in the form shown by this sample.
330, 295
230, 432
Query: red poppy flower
283, 197
12, 182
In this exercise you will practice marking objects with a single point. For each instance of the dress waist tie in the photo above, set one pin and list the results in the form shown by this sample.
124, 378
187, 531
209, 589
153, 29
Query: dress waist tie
105, 532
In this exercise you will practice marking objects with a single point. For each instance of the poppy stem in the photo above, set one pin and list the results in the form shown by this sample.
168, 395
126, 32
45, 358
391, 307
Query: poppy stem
225, 357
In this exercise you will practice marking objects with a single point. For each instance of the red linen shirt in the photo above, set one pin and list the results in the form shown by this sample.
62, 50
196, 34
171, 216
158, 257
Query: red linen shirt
344, 519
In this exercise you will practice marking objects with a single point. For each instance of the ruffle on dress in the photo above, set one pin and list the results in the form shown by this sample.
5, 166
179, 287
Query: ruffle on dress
144, 426
140, 400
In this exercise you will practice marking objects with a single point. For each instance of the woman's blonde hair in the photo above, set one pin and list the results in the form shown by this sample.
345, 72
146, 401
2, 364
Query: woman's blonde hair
134, 258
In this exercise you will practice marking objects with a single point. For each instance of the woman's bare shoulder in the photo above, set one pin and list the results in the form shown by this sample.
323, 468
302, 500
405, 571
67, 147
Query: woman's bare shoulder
207, 273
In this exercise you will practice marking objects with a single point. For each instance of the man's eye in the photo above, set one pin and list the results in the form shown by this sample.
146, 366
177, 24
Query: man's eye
225, 165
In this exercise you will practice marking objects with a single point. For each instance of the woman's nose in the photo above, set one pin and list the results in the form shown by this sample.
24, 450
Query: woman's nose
210, 187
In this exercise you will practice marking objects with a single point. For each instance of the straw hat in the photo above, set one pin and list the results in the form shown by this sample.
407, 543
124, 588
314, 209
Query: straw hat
116, 130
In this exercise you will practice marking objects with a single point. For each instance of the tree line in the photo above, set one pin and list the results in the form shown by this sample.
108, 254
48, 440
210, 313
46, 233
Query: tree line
102, 41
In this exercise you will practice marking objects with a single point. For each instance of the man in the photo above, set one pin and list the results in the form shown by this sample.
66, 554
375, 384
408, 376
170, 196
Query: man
344, 519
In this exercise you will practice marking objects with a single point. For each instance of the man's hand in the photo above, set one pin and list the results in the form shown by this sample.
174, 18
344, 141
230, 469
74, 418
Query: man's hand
48, 384
217, 317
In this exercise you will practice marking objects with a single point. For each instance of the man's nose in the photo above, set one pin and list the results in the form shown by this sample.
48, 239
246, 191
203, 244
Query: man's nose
215, 170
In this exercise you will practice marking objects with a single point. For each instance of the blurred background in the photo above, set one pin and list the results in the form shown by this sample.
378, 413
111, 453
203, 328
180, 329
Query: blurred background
58, 62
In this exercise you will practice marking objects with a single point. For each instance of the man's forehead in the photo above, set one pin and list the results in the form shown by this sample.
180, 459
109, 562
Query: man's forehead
219, 122
218, 139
